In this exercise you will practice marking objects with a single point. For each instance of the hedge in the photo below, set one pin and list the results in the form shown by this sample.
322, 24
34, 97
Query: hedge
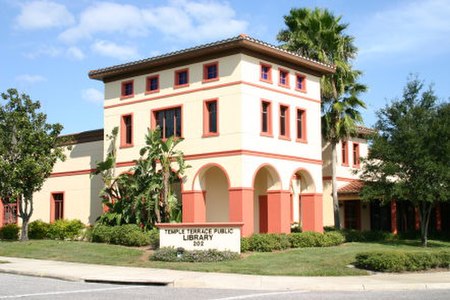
127, 235
401, 261
9, 232
65, 230
171, 254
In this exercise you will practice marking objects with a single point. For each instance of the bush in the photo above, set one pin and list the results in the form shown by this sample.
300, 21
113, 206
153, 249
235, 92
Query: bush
267, 242
352, 235
9, 232
399, 261
305, 239
333, 238
65, 230
127, 235
38, 230
245, 244
154, 238
295, 227
171, 254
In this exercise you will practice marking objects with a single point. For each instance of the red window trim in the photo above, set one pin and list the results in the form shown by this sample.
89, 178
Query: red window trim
287, 84
304, 138
123, 137
269, 75
53, 206
297, 75
344, 153
206, 132
154, 111
147, 84
356, 150
287, 123
205, 72
175, 83
269, 132
122, 89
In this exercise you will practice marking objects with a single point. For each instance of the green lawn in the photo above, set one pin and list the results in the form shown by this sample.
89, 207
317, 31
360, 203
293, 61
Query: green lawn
331, 261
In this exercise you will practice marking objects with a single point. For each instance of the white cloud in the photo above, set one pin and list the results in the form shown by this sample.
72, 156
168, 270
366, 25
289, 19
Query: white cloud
189, 20
92, 95
44, 50
30, 79
75, 53
412, 27
43, 14
107, 48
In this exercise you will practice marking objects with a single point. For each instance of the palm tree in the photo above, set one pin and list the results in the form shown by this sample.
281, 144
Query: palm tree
319, 35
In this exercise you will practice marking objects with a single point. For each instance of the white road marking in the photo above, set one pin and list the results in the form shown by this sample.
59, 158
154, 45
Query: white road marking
261, 295
70, 292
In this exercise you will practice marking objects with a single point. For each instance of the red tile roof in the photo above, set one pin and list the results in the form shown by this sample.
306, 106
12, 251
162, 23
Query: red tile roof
353, 187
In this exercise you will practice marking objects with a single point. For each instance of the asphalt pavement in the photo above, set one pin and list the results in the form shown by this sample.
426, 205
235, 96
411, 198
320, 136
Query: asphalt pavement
187, 279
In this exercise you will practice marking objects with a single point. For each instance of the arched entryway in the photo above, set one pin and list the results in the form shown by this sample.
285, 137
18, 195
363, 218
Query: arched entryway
270, 203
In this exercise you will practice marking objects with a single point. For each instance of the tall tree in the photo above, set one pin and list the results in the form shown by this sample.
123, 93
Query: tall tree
409, 159
29, 148
320, 35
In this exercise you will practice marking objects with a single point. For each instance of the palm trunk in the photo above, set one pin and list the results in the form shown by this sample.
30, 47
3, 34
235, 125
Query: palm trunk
337, 222
166, 195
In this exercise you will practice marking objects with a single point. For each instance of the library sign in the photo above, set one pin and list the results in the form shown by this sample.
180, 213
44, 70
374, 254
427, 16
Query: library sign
201, 236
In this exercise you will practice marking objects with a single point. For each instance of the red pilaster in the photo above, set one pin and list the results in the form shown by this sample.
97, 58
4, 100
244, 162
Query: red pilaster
394, 217
438, 218
278, 208
194, 207
241, 208
1, 213
311, 212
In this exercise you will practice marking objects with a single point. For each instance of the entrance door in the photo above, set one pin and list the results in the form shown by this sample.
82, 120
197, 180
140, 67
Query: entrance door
352, 214
263, 214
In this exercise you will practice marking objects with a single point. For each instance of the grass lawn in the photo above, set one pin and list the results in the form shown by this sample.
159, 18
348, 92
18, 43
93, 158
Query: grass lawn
331, 261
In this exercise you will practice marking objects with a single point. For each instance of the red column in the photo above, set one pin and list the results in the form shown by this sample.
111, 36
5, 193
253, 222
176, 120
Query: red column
438, 218
241, 208
394, 217
416, 219
194, 207
311, 212
278, 208
2, 214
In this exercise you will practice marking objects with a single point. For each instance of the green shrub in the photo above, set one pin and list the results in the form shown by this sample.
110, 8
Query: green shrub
352, 235
38, 230
129, 235
329, 228
295, 227
9, 232
101, 233
154, 238
267, 242
332, 238
399, 261
65, 230
305, 239
245, 244
211, 255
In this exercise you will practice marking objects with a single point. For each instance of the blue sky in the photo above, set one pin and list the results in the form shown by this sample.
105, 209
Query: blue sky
48, 47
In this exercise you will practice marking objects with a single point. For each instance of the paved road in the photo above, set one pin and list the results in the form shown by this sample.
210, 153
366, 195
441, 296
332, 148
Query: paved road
16, 286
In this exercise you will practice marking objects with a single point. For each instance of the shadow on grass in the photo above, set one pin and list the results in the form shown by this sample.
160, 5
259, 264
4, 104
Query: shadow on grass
415, 243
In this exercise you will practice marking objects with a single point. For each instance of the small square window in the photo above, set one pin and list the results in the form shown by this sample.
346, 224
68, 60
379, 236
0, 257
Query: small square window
182, 78
266, 73
127, 89
152, 84
284, 78
300, 83
210, 72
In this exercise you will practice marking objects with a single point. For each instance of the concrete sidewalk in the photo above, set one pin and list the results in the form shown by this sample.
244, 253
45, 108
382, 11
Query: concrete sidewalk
129, 275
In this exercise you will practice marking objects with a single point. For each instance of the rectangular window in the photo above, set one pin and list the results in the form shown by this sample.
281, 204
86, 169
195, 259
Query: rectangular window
210, 118
126, 131
301, 125
127, 89
300, 82
266, 118
182, 78
58, 205
9, 212
284, 78
169, 121
284, 121
355, 155
266, 73
344, 153
210, 72
152, 85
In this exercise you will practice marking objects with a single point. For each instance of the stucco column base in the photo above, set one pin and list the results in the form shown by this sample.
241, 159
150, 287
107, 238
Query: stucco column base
279, 212
194, 207
312, 213
241, 208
